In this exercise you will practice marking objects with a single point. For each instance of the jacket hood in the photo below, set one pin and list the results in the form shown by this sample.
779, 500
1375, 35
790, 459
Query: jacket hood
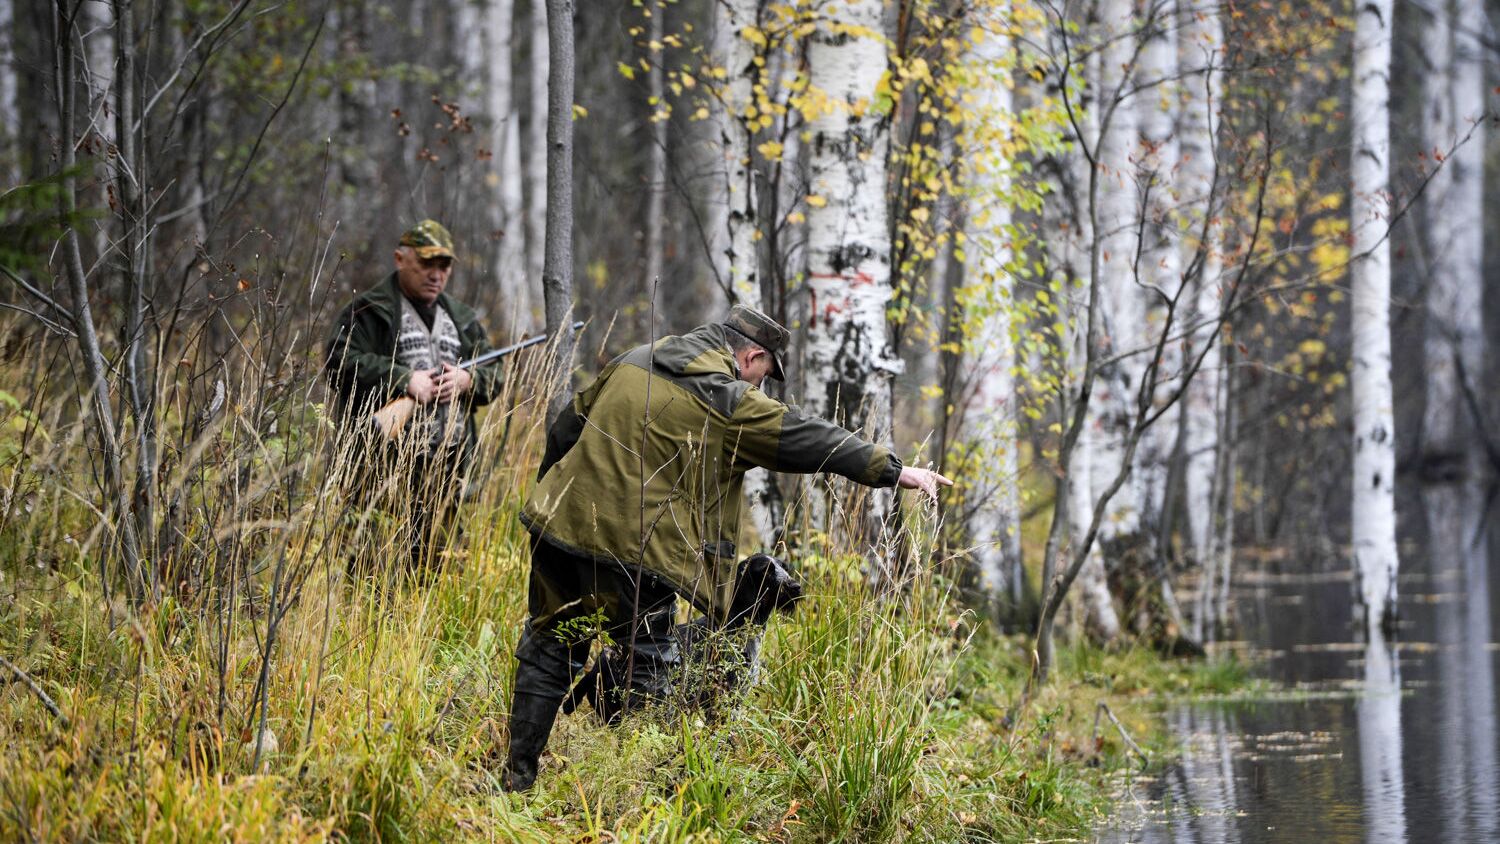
702, 351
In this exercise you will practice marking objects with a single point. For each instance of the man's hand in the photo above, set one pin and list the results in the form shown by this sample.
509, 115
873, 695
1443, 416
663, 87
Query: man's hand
924, 479
451, 382
421, 386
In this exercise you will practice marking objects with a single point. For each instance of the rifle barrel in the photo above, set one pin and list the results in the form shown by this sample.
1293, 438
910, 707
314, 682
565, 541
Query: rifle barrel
496, 354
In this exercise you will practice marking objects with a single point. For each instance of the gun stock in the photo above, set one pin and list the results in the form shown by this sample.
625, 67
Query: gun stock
389, 420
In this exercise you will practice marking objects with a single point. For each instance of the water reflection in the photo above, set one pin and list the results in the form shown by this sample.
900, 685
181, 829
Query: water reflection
1418, 714
1379, 709
1466, 778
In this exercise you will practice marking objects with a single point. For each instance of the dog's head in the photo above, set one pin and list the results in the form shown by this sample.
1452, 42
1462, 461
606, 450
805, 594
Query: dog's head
762, 586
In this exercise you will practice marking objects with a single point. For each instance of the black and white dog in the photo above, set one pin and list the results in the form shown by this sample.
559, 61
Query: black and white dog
712, 660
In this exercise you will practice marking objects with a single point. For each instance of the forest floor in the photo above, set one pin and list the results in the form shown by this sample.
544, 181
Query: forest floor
384, 704
385, 709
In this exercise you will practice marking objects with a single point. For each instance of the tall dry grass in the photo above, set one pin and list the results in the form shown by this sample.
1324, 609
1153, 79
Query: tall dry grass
270, 695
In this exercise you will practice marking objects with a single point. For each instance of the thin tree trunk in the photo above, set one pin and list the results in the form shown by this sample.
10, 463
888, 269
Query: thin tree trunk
536, 148
10, 113
658, 119
1374, 506
506, 200
140, 581
130, 183
1199, 46
848, 361
557, 275
97, 29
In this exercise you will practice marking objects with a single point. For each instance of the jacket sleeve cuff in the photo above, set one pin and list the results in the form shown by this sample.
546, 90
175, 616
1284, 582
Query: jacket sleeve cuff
890, 473
400, 379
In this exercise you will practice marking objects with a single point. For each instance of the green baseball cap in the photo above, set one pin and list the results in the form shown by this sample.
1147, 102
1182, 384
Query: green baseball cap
766, 332
429, 240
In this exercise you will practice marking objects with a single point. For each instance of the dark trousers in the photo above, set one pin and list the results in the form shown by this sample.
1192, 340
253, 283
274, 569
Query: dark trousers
571, 601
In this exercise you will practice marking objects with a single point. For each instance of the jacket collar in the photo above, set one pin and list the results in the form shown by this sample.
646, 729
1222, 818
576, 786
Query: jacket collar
387, 297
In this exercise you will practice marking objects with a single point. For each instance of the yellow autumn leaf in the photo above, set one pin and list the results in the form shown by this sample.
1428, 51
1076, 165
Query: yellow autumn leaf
816, 201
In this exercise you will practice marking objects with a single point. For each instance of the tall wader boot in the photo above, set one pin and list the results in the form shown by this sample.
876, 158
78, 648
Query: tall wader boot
544, 675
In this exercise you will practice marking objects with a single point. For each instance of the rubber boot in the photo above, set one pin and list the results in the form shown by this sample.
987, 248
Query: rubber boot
545, 669
531, 720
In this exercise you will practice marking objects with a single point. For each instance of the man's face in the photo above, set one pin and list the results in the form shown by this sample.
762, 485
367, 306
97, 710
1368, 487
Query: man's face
422, 279
755, 364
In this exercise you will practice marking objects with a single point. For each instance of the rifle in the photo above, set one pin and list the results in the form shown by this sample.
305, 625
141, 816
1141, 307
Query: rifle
389, 420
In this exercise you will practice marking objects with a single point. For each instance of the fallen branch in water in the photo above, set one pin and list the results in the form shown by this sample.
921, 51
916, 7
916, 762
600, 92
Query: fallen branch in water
35, 689
1129, 742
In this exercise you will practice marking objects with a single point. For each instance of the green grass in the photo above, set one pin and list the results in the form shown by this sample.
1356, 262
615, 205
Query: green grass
891, 719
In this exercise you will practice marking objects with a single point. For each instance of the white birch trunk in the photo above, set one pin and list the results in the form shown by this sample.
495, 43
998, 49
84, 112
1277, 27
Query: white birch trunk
994, 527
848, 365
1374, 509
1069, 255
735, 257
1112, 406
1454, 108
1161, 263
1378, 712
1199, 45
504, 181
734, 201
536, 147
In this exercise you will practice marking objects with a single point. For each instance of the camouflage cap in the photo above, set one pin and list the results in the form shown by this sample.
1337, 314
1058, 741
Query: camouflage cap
766, 332
429, 240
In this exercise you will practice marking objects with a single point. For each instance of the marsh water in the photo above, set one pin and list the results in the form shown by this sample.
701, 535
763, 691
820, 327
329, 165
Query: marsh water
1378, 741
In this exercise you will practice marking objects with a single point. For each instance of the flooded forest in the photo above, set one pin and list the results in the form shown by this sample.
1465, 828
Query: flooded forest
748, 420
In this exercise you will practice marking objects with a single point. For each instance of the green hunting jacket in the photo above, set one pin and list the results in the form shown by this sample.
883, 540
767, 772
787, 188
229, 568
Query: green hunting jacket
361, 364
666, 496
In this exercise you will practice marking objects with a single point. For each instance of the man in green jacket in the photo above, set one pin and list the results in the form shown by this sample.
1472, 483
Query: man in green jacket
405, 337
638, 501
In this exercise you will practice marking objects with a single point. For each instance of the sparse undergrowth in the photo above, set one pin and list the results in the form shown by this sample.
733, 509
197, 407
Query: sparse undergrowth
384, 700
871, 722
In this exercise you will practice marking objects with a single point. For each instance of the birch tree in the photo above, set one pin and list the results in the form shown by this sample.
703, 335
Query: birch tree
1453, 200
1160, 265
1374, 506
847, 360
1119, 313
734, 202
1199, 44
504, 180
995, 524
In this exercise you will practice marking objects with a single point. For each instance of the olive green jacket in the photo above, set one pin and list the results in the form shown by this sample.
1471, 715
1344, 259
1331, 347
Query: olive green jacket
361, 364
665, 496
